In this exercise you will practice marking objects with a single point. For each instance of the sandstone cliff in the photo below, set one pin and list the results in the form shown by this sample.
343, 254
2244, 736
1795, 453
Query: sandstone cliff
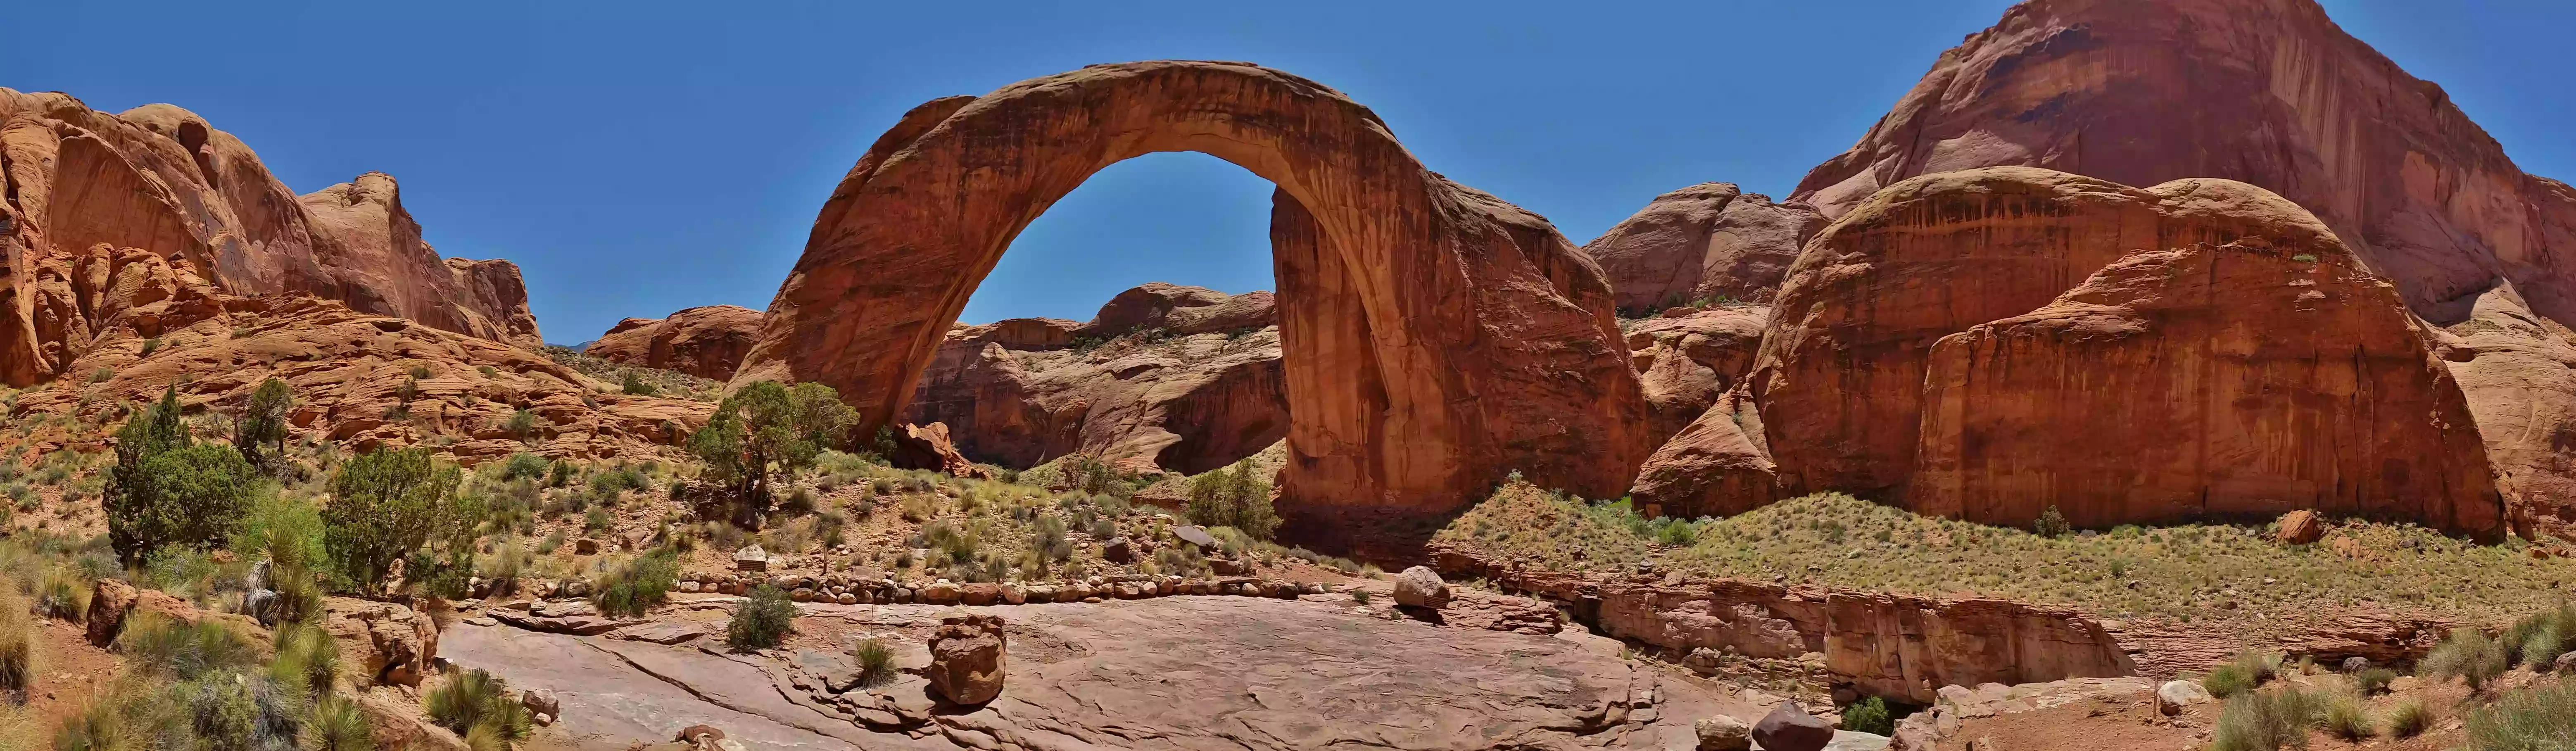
86, 185
2273, 93
707, 341
1165, 378
1980, 344
1703, 243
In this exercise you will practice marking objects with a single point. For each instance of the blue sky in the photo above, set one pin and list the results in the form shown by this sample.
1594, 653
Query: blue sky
636, 158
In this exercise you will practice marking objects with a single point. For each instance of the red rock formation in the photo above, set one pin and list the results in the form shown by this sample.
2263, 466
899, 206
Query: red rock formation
1437, 338
1178, 388
159, 179
1686, 361
1716, 466
379, 264
1942, 347
2519, 372
928, 447
706, 341
1706, 241
2270, 92
347, 370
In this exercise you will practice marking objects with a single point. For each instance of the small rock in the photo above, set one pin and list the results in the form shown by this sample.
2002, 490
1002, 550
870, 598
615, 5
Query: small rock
1723, 733
585, 546
542, 702
2173, 696
1119, 551
1195, 535
1421, 587
846, 598
942, 593
2299, 528
2355, 664
2566, 664
543, 720
1790, 728
751, 558
1228, 567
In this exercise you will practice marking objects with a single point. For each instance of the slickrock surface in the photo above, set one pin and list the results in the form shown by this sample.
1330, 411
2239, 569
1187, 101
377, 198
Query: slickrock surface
1439, 338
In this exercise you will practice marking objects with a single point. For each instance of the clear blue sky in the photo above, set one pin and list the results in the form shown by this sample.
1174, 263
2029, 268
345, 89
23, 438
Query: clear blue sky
636, 158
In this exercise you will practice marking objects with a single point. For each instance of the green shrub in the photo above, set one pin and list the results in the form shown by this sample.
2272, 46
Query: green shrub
263, 423
164, 490
1233, 497
97, 727
473, 701
765, 432
595, 522
390, 505
2468, 654
286, 530
2051, 523
635, 385
876, 662
2248, 670
62, 595
160, 645
634, 587
1675, 532
2265, 720
2538, 718
2408, 719
524, 466
523, 424
1869, 716
762, 621
2345, 718
2373, 681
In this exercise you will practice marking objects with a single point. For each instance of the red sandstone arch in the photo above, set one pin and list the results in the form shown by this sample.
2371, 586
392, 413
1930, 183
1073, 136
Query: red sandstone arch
1436, 337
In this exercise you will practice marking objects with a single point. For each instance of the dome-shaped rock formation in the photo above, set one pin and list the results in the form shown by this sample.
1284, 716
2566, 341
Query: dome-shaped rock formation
1983, 343
1435, 337
707, 341
1703, 242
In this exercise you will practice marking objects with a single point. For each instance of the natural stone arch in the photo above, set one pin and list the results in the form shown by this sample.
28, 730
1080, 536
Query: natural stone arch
1436, 338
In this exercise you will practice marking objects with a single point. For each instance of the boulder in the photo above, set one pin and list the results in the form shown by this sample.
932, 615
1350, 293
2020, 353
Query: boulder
1421, 587
1723, 733
980, 594
1425, 300
706, 341
585, 546
2355, 664
542, 701
1118, 550
942, 593
109, 601
2298, 528
967, 659
2175, 696
751, 558
1789, 728
928, 447
1196, 536
2565, 664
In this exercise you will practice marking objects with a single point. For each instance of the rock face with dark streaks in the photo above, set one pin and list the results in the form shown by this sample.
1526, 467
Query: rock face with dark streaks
1436, 338
1980, 344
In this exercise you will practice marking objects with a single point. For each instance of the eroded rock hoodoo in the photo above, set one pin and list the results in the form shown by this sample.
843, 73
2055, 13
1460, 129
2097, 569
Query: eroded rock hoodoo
1436, 338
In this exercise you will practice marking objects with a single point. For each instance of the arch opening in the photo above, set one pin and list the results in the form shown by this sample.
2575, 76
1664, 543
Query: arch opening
1436, 338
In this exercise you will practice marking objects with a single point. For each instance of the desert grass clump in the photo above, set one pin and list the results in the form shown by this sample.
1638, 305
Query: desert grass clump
2539, 718
2538, 639
473, 701
762, 621
2248, 670
2373, 681
2408, 719
17, 649
306, 655
338, 725
186, 651
2346, 718
876, 662
2267, 720
2468, 655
